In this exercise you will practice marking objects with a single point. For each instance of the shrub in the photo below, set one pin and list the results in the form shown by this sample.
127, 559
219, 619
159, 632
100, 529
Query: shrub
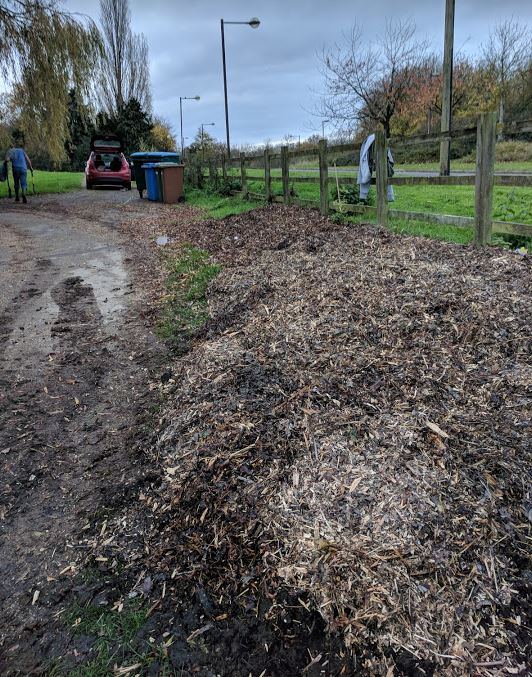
350, 194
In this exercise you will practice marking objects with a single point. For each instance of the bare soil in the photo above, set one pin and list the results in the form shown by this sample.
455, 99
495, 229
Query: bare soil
77, 353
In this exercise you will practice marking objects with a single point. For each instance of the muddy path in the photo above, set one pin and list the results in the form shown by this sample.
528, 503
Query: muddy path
76, 358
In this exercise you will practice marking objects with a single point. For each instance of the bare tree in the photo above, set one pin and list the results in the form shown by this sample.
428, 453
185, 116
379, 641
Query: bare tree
125, 61
367, 83
507, 54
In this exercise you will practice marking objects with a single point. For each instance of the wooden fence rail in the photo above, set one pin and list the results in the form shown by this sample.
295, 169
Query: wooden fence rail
511, 127
484, 179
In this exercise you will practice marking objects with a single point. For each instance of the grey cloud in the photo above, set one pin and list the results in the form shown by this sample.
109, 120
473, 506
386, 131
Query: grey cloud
273, 71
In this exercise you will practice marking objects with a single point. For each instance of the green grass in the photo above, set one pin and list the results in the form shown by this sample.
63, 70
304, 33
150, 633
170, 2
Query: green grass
509, 203
185, 309
48, 182
115, 640
461, 165
217, 207
418, 228
298, 168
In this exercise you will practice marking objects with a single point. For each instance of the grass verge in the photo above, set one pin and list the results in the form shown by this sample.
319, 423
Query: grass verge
185, 309
48, 182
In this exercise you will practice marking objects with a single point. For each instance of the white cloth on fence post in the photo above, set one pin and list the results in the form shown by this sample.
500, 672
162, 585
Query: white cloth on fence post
365, 171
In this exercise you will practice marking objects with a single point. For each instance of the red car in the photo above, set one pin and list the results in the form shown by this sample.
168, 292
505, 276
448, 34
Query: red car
107, 165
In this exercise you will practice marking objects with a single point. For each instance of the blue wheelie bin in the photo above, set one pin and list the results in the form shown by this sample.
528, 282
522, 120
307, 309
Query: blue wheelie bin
152, 181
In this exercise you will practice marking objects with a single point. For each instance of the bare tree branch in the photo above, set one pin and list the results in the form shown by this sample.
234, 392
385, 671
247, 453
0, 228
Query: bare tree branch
507, 53
368, 83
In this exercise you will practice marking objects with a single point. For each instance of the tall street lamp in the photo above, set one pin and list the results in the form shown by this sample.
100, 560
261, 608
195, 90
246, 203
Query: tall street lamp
254, 23
323, 123
181, 99
204, 124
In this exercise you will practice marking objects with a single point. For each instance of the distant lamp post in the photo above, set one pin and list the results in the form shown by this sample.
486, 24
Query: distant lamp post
254, 23
323, 123
181, 99
204, 124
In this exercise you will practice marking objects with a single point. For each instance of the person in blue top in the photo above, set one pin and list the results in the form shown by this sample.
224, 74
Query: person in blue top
19, 163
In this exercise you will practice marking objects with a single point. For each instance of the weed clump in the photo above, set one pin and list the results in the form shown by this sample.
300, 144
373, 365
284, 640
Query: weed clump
185, 310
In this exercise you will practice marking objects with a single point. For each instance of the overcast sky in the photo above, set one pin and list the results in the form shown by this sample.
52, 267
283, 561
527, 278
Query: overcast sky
273, 71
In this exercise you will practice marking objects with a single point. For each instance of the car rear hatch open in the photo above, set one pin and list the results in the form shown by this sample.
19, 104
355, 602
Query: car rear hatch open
106, 143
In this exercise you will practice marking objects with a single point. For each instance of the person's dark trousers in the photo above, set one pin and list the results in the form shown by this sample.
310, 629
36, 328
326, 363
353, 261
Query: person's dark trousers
20, 182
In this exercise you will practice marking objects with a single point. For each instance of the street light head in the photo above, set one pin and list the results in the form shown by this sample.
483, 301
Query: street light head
254, 22
196, 98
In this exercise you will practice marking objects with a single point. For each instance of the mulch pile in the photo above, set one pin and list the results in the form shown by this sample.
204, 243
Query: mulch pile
352, 426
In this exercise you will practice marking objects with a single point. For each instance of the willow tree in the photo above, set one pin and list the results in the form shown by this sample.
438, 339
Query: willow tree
44, 52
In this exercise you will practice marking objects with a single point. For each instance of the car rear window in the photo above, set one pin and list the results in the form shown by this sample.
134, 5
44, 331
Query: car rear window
102, 160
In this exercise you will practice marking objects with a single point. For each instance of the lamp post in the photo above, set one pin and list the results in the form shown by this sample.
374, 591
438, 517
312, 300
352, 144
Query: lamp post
323, 123
204, 124
181, 99
254, 23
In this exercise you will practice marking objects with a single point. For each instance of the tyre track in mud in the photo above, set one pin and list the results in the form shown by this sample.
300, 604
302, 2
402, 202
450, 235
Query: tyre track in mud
75, 359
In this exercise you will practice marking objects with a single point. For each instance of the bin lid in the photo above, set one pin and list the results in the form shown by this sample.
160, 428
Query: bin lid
163, 154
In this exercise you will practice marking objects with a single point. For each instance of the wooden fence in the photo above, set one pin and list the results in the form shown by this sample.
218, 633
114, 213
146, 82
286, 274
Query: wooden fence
483, 179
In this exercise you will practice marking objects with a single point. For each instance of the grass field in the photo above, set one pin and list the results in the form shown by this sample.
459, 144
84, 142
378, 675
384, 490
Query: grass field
48, 182
456, 165
459, 165
509, 204
308, 168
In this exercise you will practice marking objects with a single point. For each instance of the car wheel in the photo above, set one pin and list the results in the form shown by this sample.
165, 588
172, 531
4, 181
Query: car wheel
89, 185
127, 186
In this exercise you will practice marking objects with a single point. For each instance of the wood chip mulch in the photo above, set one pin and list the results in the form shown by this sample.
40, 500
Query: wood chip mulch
353, 425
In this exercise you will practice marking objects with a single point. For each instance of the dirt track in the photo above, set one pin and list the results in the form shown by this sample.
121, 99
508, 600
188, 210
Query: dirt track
75, 358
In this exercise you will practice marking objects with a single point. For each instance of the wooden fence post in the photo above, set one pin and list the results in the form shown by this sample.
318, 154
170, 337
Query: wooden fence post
243, 177
381, 162
486, 137
285, 174
224, 169
267, 176
324, 177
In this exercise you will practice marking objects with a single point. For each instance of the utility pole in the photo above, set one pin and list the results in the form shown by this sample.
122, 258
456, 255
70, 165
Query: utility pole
447, 88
